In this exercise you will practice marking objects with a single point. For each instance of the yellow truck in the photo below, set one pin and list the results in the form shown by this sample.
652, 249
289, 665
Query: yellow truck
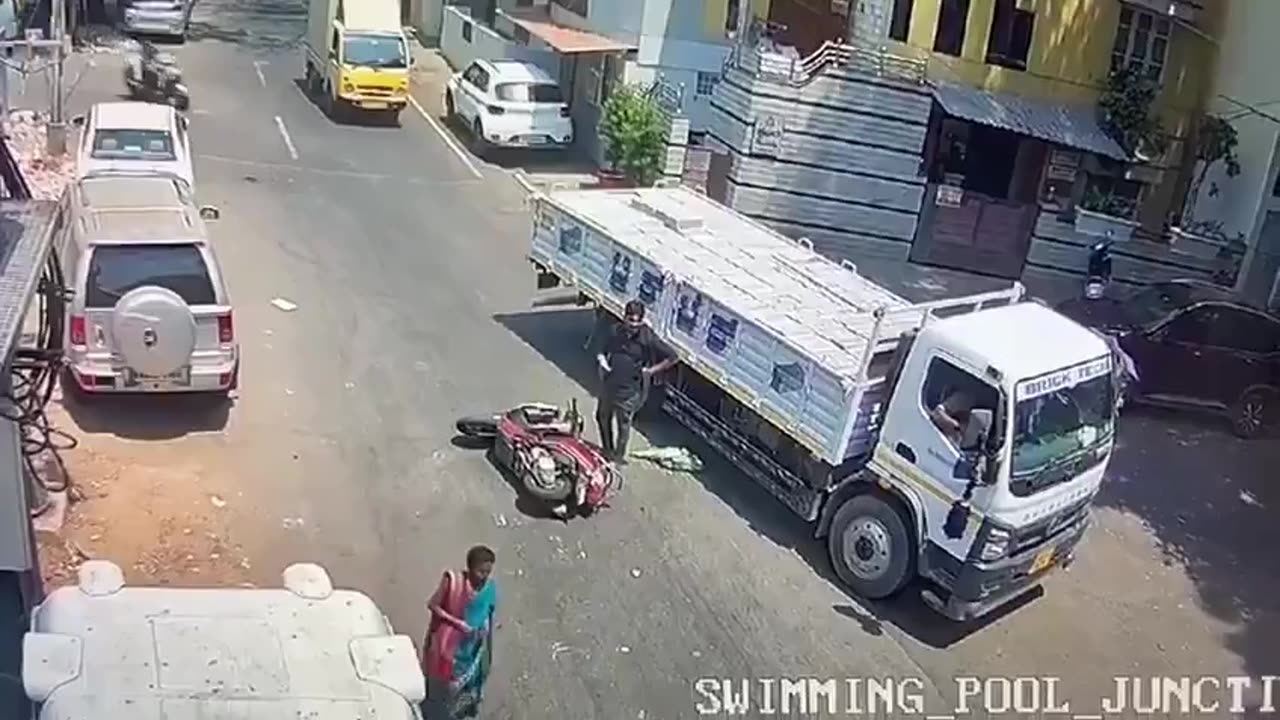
357, 56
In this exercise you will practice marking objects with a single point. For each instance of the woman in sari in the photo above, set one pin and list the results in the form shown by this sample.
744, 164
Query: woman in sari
458, 650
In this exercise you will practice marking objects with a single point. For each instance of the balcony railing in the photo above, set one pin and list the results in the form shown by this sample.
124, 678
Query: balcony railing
762, 58
1189, 12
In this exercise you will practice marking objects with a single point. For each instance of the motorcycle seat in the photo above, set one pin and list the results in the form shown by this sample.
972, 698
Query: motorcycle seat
542, 422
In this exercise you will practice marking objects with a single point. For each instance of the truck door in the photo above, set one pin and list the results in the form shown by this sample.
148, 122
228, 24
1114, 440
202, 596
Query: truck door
927, 429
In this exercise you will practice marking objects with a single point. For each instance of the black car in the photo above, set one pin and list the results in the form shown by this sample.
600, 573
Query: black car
1195, 346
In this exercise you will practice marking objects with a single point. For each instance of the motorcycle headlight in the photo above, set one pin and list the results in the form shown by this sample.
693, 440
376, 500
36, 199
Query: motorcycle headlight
996, 545
546, 468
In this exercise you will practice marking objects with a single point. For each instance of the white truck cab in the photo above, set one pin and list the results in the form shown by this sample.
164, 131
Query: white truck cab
1007, 499
104, 650
961, 440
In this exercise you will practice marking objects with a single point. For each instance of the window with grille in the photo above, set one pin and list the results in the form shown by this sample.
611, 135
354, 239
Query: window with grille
707, 83
1009, 43
1142, 39
953, 20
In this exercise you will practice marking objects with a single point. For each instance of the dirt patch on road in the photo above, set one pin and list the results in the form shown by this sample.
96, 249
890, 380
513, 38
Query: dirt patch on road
165, 512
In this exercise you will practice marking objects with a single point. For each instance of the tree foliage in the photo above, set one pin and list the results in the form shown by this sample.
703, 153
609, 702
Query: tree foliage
634, 132
1125, 110
1216, 142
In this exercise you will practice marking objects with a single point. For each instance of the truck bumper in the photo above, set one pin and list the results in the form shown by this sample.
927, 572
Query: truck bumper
363, 102
971, 589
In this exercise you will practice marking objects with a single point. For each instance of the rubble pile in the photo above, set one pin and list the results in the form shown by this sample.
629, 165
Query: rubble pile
47, 177
103, 40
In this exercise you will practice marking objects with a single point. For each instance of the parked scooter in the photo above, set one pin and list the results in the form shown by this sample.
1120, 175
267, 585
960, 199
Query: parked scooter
153, 76
1098, 271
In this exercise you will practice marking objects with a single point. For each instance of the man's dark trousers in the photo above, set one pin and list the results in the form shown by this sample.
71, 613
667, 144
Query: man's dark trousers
619, 407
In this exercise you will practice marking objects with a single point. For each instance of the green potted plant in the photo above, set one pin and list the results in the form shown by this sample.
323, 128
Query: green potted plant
1106, 214
633, 130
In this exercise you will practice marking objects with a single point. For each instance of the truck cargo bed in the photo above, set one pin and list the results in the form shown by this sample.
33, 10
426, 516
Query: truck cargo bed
800, 339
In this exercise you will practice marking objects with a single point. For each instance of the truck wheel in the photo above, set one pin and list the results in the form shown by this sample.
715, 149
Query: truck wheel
1254, 412
870, 548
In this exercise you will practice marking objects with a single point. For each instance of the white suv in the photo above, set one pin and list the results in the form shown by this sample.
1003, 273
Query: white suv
148, 311
506, 103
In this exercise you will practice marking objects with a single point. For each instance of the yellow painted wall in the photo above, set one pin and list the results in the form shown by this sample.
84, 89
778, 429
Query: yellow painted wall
1070, 55
713, 17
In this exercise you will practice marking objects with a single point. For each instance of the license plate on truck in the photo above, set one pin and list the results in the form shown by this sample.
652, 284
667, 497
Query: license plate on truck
1043, 561
375, 105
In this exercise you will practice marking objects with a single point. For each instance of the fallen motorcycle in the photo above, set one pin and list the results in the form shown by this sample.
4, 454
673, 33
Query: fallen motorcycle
543, 446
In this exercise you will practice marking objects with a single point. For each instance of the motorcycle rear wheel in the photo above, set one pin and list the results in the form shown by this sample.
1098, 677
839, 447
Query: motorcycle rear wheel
477, 426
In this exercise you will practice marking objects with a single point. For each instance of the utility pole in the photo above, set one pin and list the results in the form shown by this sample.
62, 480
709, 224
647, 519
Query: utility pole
35, 41
57, 130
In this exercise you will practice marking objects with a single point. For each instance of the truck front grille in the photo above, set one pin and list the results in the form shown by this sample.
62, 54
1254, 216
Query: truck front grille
1049, 527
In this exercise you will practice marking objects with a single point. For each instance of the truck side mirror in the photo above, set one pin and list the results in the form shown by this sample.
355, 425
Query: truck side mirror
976, 430
209, 212
77, 121
957, 520
969, 466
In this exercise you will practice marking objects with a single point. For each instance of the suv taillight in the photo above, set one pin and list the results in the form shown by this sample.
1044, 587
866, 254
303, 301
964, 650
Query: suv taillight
226, 330
77, 330
495, 110
564, 111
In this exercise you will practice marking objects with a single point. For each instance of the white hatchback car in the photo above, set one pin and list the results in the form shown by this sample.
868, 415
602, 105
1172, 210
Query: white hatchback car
134, 137
507, 103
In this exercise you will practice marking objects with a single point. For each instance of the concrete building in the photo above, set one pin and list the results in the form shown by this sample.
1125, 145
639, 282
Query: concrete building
964, 133
1245, 91
680, 45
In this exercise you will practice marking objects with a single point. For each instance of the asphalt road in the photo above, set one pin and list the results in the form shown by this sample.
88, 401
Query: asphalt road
414, 306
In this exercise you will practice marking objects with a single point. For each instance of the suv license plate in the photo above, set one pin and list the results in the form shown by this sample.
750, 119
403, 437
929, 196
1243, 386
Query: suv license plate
181, 377
536, 140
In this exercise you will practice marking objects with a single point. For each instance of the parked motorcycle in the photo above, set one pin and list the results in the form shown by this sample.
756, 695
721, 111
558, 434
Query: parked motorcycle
543, 446
1098, 270
155, 77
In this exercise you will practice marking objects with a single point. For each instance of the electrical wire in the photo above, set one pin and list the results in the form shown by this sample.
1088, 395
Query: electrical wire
34, 373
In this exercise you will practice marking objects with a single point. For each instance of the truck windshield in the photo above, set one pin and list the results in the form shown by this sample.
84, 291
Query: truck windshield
378, 51
1056, 419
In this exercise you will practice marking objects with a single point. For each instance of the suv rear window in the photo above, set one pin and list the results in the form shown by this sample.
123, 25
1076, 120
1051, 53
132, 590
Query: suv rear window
529, 93
114, 270
133, 144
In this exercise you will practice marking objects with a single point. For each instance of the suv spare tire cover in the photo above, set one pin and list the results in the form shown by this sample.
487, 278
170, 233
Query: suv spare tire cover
153, 330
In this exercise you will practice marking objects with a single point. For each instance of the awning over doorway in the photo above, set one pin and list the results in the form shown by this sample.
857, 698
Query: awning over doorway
1074, 126
564, 40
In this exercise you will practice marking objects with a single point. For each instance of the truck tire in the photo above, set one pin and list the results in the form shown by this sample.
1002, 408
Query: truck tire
870, 547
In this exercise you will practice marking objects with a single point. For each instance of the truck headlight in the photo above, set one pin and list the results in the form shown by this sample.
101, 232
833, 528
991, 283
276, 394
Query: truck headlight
996, 545
348, 88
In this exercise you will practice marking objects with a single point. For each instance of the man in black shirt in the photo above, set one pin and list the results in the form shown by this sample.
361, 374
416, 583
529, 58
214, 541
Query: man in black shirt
630, 356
